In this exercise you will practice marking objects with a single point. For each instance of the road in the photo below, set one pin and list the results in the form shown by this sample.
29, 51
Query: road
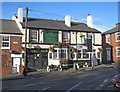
68, 80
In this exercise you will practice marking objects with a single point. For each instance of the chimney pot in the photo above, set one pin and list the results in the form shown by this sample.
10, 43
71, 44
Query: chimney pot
67, 21
20, 14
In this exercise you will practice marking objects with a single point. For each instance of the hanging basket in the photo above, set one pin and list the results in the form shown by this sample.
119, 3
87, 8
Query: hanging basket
100, 50
51, 49
74, 49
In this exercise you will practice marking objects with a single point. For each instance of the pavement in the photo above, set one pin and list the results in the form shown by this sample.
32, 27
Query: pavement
43, 72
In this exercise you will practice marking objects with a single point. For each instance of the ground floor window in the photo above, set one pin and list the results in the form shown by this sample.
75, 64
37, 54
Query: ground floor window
117, 51
55, 54
63, 53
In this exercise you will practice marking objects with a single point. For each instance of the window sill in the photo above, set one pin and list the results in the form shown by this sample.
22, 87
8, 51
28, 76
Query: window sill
5, 47
117, 41
117, 56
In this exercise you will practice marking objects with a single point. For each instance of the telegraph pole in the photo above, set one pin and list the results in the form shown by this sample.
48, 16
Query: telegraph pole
25, 54
92, 51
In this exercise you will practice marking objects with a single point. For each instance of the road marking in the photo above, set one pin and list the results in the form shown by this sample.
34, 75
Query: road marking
104, 82
46, 88
110, 86
74, 87
101, 85
29, 85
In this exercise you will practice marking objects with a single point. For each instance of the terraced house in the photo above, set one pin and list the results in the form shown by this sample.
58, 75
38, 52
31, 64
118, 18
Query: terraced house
111, 45
11, 47
57, 41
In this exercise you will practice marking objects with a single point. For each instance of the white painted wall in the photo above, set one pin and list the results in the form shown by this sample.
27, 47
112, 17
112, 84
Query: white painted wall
60, 36
98, 38
73, 37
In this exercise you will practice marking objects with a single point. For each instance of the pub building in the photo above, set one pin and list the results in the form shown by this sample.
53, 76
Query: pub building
52, 42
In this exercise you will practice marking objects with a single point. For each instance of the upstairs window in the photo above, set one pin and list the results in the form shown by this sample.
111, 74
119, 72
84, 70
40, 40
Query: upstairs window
117, 36
33, 36
108, 38
5, 42
65, 37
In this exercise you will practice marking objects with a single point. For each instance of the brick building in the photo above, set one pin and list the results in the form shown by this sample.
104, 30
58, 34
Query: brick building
111, 45
10, 45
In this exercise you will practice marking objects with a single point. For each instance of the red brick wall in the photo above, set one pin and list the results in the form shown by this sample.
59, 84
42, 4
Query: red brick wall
6, 55
113, 44
16, 46
6, 70
104, 46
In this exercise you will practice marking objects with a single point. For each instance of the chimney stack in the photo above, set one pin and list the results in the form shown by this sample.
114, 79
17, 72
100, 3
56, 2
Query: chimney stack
67, 21
90, 21
118, 25
20, 14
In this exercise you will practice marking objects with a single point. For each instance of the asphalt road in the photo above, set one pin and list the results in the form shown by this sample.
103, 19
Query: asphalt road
68, 80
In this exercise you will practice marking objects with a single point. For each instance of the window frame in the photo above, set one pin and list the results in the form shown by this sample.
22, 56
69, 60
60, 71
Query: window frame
117, 52
30, 38
116, 34
107, 37
5, 41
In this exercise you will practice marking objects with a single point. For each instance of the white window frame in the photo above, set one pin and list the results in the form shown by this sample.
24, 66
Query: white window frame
107, 37
5, 41
116, 34
117, 51
31, 35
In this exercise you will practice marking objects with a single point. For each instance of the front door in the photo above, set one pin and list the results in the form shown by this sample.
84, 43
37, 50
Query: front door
108, 54
16, 63
41, 60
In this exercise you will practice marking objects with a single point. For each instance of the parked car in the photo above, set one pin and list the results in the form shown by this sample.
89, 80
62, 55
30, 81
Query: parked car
116, 81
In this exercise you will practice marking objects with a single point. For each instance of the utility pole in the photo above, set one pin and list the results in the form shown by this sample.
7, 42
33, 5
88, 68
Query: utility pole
25, 54
92, 50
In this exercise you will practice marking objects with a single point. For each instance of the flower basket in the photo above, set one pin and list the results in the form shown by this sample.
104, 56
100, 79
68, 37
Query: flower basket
64, 61
74, 49
100, 49
51, 49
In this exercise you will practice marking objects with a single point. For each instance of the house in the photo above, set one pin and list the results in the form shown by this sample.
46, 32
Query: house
111, 45
10, 45
50, 41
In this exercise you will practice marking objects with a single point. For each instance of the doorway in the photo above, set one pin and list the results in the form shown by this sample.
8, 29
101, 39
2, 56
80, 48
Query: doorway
108, 50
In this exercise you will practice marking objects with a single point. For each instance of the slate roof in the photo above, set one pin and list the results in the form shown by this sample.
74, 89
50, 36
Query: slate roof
58, 25
9, 27
113, 30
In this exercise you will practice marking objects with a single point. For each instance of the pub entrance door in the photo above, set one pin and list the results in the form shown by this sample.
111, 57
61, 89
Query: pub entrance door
37, 59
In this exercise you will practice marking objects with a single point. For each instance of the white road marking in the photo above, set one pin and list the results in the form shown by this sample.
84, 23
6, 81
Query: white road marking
101, 85
46, 88
29, 85
74, 87
103, 82
110, 86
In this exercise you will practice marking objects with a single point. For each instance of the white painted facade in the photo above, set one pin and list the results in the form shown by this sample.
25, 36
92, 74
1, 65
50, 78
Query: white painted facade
73, 36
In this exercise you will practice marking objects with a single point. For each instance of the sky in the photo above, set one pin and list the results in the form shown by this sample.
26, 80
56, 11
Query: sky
105, 14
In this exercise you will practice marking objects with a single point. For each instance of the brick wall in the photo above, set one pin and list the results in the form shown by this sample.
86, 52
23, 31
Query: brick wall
15, 45
113, 44
104, 46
